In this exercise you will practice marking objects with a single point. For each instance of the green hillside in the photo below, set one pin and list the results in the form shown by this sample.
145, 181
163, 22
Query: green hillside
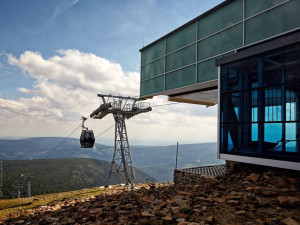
58, 175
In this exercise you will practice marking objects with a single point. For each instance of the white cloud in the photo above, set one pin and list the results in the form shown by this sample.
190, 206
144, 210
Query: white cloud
65, 88
63, 6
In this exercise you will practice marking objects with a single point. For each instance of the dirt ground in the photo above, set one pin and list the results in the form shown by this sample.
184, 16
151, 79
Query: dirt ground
245, 195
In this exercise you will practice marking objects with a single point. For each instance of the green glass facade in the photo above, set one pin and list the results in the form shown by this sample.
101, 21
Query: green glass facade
187, 56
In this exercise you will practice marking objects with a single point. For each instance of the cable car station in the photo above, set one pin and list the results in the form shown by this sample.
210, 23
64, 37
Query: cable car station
243, 55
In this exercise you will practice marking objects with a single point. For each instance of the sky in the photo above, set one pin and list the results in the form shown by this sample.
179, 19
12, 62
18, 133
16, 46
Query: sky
57, 55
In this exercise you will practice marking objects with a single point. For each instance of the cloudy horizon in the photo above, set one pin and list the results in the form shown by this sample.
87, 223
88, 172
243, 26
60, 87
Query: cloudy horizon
45, 91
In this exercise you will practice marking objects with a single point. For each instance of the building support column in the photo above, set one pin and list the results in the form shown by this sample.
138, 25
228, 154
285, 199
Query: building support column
261, 109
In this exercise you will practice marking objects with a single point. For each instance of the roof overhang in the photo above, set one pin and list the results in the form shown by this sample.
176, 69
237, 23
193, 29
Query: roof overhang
208, 98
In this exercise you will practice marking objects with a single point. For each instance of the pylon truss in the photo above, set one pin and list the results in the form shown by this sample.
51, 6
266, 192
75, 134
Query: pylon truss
122, 108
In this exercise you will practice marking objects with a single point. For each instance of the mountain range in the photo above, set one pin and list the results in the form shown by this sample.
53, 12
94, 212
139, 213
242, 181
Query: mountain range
157, 161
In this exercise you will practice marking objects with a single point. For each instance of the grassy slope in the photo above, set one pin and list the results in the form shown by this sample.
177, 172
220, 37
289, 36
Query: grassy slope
25, 205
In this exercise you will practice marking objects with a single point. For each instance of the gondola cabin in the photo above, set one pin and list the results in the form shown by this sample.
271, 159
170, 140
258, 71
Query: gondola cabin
87, 139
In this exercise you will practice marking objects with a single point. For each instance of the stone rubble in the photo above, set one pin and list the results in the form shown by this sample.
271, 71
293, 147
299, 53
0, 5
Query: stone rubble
245, 195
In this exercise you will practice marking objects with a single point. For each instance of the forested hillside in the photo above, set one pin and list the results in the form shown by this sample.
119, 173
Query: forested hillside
58, 175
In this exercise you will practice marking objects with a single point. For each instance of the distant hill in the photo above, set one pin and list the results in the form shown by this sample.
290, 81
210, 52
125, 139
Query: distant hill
46, 148
157, 161
59, 175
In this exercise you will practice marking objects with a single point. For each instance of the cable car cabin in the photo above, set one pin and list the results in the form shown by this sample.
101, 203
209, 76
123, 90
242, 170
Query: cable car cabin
87, 139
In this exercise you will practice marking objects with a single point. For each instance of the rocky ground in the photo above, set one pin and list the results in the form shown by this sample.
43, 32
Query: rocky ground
245, 195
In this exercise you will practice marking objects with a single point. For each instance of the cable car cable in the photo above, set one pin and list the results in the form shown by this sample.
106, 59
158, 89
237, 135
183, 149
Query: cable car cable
63, 141
55, 149
201, 149
105, 131
114, 124
68, 136
174, 103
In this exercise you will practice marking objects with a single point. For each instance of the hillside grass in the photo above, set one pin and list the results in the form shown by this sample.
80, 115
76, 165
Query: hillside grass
24, 206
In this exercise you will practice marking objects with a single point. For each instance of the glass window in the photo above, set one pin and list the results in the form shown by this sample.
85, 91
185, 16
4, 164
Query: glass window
232, 107
273, 22
254, 115
292, 96
291, 59
240, 107
231, 131
253, 7
181, 58
220, 19
273, 104
233, 80
292, 138
181, 78
254, 134
270, 126
242, 75
273, 136
181, 38
152, 86
285, 62
153, 52
224, 139
241, 138
221, 42
153, 69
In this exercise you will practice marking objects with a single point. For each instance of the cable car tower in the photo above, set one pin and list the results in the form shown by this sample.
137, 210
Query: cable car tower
122, 108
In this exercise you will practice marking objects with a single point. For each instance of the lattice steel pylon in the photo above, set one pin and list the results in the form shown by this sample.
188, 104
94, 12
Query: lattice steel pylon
122, 108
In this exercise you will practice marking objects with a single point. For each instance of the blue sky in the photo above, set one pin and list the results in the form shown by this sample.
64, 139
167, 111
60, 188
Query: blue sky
39, 36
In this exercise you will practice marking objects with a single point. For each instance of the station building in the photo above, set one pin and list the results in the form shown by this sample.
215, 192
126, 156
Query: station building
243, 55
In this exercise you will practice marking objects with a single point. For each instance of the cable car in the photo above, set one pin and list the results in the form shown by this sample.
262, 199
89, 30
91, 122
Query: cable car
87, 138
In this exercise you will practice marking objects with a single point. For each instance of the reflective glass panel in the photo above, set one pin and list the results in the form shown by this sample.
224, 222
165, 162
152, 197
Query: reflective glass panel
273, 22
291, 137
273, 104
253, 7
181, 38
220, 19
153, 69
153, 52
272, 136
221, 42
207, 71
270, 125
152, 86
181, 78
181, 58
